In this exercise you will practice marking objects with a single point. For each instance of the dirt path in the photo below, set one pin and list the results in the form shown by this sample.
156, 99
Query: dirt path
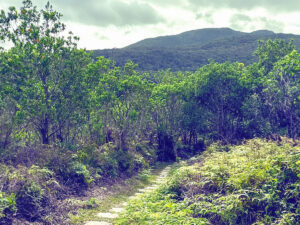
113, 213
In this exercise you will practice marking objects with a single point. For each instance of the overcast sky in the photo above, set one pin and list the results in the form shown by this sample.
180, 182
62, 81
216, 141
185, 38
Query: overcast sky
117, 23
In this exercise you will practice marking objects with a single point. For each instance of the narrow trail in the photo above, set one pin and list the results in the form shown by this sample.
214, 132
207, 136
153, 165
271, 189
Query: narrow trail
114, 212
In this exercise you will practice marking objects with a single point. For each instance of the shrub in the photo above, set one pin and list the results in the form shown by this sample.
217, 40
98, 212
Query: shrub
79, 172
7, 204
29, 192
31, 201
92, 203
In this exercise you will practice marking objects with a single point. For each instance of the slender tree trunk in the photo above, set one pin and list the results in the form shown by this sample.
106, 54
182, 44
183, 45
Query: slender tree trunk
122, 140
6, 140
45, 131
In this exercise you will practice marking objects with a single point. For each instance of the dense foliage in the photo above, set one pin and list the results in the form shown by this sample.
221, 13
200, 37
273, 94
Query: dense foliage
190, 50
254, 183
82, 121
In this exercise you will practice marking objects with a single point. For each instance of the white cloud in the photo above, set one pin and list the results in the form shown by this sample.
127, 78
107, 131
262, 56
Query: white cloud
117, 23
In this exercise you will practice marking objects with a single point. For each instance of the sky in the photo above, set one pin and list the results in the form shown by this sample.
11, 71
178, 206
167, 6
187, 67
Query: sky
102, 24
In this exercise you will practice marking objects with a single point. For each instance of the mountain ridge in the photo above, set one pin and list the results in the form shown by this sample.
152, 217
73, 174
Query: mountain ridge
192, 49
200, 36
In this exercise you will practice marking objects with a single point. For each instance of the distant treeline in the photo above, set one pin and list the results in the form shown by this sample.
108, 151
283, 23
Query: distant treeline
222, 45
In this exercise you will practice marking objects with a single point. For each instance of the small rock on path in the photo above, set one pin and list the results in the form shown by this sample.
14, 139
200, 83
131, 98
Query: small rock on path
107, 215
97, 223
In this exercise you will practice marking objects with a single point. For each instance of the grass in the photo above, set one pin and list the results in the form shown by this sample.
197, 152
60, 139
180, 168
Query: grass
254, 183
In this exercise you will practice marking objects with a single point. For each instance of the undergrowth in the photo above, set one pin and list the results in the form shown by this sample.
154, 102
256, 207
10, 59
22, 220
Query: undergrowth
37, 183
254, 183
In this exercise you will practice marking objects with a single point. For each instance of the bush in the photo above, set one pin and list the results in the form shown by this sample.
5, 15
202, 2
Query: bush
31, 192
31, 201
92, 203
39, 176
7, 204
79, 173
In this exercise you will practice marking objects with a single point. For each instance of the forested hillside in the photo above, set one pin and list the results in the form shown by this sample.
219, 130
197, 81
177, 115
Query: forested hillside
190, 50
69, 122
196, 37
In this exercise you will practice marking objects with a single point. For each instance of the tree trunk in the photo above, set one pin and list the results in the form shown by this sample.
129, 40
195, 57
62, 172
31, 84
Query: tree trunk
6, 140
122, 140
45, 131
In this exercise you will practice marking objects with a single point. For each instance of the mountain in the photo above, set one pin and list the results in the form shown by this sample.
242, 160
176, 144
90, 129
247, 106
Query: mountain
184, 39
193, 49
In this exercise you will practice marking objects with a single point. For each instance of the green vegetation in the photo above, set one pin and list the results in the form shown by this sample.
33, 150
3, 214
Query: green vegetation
190, 50
120, 193
254, 183
69, 123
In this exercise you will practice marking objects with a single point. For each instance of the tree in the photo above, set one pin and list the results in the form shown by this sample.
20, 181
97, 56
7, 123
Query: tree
167, 102
42, 72
271, 106
119, 100
270, 51
283, 89
218, 89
